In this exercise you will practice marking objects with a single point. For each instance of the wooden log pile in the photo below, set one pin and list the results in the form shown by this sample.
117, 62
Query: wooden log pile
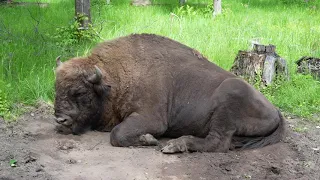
309, 65
261, 65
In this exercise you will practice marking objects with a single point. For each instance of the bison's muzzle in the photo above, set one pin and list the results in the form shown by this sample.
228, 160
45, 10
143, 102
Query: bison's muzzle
64, 120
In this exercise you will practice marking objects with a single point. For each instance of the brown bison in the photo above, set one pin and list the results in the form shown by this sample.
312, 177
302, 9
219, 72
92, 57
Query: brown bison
144, 86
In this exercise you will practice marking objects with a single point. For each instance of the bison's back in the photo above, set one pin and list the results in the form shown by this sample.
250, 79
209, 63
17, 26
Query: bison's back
145, 51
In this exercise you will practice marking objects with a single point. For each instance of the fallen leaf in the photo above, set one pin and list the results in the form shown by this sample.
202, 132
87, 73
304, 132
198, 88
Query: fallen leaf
13, 162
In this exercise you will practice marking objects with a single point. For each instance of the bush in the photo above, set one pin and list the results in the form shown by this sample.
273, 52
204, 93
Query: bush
74, 33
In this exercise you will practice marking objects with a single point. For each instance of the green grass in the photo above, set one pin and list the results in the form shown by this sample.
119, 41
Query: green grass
28, 50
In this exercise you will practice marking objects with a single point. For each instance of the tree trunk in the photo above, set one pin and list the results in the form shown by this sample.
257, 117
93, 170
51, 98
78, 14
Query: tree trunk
182, 2
140, 2
261, 65
82, 12
216, 7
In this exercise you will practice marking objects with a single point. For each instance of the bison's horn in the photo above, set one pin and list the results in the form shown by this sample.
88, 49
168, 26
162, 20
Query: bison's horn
96, 77
58, 61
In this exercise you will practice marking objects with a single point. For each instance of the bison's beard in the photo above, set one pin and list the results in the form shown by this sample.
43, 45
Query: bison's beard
79, 129
85, 122
61, 129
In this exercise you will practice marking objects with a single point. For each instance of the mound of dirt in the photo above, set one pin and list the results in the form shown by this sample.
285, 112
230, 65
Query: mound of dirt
42, 153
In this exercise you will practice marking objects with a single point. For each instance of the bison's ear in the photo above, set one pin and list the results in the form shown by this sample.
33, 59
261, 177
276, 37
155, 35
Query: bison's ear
96, 77
58, 61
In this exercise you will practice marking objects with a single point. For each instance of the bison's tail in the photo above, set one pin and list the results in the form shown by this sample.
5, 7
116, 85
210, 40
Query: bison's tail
257, 142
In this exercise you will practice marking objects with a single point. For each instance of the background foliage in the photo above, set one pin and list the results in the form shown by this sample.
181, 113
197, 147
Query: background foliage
33, 36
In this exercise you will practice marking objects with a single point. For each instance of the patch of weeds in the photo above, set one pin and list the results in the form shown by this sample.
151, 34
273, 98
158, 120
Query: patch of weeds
185, 11
208, 10
190, 11
4, 104
74, 33
38, 85
300, 129
299, 96
98, 3
267, 90
9, 111
257, 81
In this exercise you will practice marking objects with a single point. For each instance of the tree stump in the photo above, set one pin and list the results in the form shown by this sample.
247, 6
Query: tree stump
261, 65
309, 65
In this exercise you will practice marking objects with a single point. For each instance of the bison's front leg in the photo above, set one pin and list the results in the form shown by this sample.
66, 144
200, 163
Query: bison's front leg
214, 142
137, 130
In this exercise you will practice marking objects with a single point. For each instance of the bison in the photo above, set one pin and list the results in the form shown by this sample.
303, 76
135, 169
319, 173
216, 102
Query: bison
144, 86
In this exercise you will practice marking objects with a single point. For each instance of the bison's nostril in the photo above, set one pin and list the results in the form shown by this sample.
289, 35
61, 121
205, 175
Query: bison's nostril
60, 120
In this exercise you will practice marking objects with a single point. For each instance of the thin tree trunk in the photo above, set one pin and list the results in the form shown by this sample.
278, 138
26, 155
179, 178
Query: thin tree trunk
216, 7
182, 2
82, 8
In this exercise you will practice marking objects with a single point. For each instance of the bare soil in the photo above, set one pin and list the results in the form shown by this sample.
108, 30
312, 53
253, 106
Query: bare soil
42, 153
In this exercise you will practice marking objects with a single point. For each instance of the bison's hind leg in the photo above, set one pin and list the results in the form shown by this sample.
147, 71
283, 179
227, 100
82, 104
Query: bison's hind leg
216, 141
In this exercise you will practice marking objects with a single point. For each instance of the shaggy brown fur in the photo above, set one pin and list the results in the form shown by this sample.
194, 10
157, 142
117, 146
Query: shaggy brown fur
153, 86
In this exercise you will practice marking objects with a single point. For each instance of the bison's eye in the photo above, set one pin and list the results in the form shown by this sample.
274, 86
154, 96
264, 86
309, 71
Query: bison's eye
78, 93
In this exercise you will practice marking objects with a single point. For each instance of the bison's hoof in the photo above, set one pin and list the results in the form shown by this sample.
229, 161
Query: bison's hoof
148, 139
174, 146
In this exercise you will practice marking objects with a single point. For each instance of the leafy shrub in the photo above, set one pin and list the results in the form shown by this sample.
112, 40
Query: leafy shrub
74, 33
185, 11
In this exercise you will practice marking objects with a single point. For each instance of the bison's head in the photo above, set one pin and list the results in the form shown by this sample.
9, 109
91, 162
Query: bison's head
80, 95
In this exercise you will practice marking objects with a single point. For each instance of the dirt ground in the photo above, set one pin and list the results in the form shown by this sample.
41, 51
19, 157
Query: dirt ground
42, 153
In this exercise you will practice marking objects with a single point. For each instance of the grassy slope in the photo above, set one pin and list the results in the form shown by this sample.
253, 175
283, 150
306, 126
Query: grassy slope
28, 51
